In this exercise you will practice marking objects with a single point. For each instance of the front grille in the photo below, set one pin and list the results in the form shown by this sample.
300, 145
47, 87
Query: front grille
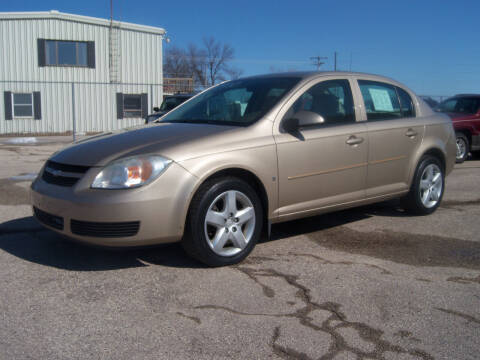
58, 180
48, 219
104, 229
62, 174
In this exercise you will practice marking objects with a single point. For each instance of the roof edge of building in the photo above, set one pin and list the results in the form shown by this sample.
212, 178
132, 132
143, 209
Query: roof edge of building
54, 14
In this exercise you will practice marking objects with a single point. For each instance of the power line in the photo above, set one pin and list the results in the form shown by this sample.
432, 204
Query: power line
271, 61
253, 61
317, 61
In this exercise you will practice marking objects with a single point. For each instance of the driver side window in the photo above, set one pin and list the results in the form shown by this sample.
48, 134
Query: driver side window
331, 99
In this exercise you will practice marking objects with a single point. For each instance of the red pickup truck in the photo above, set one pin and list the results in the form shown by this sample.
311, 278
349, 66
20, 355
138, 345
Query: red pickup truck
464, 110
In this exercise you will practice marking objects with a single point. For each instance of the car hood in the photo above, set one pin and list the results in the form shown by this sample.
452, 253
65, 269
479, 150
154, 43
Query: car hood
158, 138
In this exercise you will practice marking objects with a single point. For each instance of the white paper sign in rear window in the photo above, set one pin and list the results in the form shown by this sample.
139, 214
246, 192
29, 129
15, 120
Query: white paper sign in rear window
381, 100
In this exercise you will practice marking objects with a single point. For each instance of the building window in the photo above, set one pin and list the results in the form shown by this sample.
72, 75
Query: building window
66, 53
132, 106
22, 105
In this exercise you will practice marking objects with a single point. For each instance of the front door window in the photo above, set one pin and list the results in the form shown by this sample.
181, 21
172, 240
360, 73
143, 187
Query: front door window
330, 99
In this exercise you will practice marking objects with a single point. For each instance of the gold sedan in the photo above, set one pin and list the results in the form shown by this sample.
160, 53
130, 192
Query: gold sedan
219, 169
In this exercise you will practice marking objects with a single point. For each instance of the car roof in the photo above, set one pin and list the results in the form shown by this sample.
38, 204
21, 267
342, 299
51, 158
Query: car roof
307, 75
311, 74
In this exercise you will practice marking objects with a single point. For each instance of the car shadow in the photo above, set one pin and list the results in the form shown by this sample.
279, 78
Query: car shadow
26, 239
330, 220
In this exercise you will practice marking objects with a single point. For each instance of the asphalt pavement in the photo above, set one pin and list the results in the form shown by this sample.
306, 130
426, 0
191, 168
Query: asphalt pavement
367, 283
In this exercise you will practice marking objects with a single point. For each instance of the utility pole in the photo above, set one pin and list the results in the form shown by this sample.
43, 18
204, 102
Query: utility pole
317, 61
335, 62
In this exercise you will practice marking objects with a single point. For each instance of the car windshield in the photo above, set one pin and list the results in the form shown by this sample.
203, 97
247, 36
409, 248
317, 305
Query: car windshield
460, 105
171, 102
238, 102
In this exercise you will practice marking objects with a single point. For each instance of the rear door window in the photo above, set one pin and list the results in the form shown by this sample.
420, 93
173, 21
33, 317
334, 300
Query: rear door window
381, 100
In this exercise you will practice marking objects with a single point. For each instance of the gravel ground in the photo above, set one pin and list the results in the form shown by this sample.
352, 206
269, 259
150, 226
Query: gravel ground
367, 283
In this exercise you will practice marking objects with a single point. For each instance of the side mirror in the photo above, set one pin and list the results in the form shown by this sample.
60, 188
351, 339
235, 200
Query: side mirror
156, 109
301, 119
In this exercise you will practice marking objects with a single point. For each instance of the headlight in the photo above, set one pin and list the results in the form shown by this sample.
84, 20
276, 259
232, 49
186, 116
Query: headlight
131, 172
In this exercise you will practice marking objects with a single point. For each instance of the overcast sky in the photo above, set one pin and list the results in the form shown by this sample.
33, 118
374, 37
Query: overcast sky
431, 46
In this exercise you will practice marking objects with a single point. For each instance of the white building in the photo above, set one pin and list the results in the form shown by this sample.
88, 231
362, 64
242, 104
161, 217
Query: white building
61, 73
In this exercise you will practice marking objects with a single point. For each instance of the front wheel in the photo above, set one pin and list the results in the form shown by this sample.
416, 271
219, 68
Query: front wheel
224, 223
427, 187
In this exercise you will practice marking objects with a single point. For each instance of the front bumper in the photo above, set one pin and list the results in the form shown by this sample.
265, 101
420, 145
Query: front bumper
152, 214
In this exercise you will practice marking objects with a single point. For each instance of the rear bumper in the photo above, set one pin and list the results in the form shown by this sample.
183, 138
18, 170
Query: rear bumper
451, 150
148, 215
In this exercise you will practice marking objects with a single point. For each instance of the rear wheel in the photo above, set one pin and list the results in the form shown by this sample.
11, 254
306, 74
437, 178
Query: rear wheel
463, 148
225, 222
427, 187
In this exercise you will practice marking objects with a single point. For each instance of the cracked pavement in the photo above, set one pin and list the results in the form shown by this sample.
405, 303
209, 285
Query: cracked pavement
367, 283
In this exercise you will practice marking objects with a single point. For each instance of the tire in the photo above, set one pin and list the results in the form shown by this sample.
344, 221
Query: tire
233, 226
463, 147
426, 191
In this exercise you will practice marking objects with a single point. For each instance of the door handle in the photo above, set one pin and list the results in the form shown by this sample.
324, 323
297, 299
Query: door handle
353, 140
411, 133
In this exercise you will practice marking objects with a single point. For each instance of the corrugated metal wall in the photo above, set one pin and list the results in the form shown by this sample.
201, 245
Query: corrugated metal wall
95, 107
95, 102
56, 109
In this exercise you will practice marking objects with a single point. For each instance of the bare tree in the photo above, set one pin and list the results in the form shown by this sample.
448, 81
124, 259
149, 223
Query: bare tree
207, 65
217, 61
176, 64
196, 62
234, 73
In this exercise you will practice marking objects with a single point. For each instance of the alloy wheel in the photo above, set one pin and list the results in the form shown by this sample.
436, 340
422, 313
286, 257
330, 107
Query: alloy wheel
461, 148
229, 223
431, 185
